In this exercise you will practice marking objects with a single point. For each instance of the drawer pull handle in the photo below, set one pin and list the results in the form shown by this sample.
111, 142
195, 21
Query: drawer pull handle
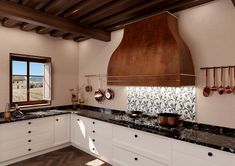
29, 150
29, 140
29, 131
93, 131
93, 122
29, 123
93, 140
57, 120
136, 135
136, 159
210, 154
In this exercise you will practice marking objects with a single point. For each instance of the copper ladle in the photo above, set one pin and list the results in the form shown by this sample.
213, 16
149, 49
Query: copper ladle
228, 88
221, 88
214, 87
206, 90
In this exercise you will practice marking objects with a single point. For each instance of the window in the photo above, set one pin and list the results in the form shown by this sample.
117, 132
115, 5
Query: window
30, 80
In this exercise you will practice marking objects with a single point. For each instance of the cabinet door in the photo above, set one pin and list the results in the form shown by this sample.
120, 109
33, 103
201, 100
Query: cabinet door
80, 131
62, 129
191, 154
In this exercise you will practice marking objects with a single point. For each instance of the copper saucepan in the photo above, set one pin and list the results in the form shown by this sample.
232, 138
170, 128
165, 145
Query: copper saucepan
99, 95
169, 119
109, 94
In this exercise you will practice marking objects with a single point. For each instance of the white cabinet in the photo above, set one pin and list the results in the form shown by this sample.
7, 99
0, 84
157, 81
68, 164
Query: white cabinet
122, 157
62, 129
21, 138
149, 147
94, 136
185, 154
80, 131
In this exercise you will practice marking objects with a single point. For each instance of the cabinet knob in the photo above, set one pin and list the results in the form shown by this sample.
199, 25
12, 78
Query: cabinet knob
93, 131
93, 148
210, 154
29, 131
29, 123
93, 140
93, 122
57, 119
136, 135
78, 119
136, 159
29, 140
29, 150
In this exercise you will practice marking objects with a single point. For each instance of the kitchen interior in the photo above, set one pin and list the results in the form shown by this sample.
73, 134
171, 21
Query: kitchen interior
117, 82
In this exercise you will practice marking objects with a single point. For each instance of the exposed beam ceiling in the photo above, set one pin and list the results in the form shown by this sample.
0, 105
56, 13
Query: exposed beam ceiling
36, 17
79, 20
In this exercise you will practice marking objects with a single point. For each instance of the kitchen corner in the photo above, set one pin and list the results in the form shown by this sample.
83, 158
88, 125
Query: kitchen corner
122, 83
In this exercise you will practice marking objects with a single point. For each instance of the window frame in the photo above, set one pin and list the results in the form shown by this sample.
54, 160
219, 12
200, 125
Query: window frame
28, 59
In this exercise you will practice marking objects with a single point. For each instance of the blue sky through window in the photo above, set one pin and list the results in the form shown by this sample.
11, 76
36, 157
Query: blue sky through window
20, 68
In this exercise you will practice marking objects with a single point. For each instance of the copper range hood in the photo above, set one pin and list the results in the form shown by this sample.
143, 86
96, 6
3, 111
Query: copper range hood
152, 53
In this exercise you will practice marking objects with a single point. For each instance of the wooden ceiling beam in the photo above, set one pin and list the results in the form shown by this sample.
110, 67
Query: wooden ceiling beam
36, 4
24, 14
109, 9
233, 2
69, 36
129, 13
172, 7
83, 8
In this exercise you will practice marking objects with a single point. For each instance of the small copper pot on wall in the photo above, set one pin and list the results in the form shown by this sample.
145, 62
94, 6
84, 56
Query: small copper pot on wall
109, 94
99, 95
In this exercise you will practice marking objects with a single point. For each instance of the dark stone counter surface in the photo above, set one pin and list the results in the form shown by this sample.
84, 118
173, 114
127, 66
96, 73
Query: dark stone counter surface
216, 137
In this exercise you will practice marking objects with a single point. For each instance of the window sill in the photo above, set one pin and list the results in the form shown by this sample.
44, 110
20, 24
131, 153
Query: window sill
34, 105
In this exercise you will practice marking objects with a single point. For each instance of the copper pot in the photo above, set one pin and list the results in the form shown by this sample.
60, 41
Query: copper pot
169, 119
99, 95
109, 94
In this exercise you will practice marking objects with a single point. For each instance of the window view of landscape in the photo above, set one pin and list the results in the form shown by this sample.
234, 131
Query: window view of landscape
19, 81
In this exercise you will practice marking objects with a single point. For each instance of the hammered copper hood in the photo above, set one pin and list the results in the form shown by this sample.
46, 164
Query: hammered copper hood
152, 53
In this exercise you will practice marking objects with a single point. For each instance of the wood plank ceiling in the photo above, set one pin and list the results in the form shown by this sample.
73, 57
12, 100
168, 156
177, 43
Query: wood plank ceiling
80, 20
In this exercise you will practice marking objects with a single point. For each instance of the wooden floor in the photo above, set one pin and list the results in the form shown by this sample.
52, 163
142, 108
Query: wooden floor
68, 156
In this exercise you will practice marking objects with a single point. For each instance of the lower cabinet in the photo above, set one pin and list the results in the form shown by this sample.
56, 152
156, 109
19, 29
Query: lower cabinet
21, 138
133, 147
122, 157
62, 129
93, 136
184, 154
25, 137
120, 146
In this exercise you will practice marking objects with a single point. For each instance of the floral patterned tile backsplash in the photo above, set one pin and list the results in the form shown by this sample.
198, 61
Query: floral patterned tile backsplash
153, 100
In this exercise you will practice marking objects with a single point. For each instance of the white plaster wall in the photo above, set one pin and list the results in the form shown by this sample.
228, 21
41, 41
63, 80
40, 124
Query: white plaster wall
64, 59
209, 31
94, 56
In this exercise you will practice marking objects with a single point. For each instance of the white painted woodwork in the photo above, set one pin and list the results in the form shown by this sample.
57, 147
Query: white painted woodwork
62, 129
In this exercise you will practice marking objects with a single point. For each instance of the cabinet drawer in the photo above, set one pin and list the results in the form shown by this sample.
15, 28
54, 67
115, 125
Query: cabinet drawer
180, 159
201, 152
150, 145
125, 158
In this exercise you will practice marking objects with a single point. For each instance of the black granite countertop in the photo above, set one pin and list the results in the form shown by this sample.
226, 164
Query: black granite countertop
216, 137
